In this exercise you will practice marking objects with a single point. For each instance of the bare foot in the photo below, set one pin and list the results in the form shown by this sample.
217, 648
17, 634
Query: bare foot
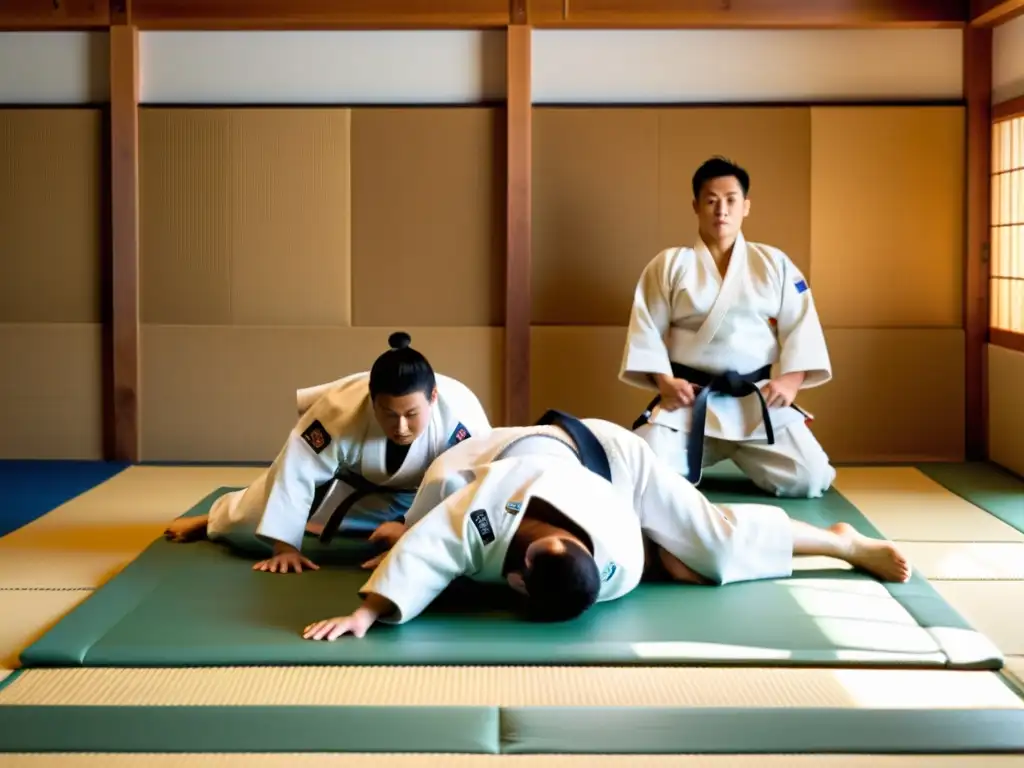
187, 529
878, 557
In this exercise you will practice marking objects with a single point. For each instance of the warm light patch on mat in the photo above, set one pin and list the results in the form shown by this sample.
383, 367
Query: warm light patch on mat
1015, 668
88, 540
995, 608
510, 687
966, 560
906, 505
509, 761
26, 615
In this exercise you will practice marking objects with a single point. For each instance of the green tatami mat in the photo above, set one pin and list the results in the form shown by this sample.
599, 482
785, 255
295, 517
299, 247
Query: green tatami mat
517, 730
201, 604
249, 729
986, 486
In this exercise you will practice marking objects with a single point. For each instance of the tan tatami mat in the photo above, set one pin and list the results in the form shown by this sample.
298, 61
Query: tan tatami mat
49, 566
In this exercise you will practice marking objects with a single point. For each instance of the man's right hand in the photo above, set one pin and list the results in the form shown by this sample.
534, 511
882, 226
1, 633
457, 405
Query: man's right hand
285, 557
675, 393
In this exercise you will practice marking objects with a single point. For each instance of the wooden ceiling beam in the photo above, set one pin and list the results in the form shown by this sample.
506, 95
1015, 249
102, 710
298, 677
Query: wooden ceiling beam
756, 14
320, 14
51, 15
992, 13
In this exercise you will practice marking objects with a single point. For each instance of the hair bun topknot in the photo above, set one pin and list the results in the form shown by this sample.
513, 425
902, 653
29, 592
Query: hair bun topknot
399, 340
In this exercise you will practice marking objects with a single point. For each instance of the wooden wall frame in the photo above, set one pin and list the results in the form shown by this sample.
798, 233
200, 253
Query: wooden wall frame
125, 18
519, 234
992, 13
124, 332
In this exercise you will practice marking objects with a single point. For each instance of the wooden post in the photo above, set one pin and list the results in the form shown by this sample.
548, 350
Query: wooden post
518, 216
124, 209
977, 55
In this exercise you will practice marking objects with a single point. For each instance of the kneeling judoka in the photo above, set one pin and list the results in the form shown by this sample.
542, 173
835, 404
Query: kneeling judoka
690, 538
353, 460
551, 529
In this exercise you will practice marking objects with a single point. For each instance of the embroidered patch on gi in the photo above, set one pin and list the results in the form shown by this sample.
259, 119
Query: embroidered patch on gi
460, 434
514, 507
801, 286
609, 571
316, 436
483, 525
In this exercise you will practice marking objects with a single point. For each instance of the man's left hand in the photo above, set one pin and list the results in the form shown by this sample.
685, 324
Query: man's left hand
781, 392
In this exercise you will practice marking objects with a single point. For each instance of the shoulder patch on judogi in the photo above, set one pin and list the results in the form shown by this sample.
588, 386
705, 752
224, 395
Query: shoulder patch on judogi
483, 525
608, 571
316, 436
801, 286
458, 435
514, 507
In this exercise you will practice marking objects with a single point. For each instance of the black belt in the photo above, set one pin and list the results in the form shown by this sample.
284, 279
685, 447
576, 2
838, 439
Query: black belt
729, 383
592, 453
361, 487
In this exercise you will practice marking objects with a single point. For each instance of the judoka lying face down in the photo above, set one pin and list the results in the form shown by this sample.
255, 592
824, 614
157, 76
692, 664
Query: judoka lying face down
553, 531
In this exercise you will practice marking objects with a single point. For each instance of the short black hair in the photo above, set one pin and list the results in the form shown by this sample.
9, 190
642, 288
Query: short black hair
401, 370
561, 585
716, 168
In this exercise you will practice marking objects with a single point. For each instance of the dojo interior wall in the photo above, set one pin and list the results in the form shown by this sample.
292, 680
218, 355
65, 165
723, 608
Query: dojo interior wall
303, 194
1006, 366
53, 113
868, 200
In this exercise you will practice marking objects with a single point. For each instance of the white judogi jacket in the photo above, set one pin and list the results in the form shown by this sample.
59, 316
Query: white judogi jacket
468, 534
337, 430
725, 543
761, 313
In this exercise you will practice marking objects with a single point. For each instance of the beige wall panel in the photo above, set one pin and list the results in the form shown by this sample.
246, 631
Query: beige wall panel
576, 369
218, 393
290, 261
1005, 416
887, 215
612, 187
51, 214
595, 211
772, 143
428, 213
879, 407
188, 207
245, 216
51, 387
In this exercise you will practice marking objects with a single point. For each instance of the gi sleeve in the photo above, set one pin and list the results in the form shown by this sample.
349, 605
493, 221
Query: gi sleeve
433, 553
308, 459
801, 338
645, 352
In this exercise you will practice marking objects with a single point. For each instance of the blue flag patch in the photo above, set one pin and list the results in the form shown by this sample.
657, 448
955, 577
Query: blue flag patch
609, 571
801, 286
457, 436
514, 507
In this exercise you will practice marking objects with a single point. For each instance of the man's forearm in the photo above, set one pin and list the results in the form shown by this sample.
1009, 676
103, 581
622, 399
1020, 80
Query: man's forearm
374, 606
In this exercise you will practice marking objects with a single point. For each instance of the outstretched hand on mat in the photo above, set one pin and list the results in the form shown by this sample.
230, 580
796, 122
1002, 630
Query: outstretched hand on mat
386, 535
357, 624
285, 556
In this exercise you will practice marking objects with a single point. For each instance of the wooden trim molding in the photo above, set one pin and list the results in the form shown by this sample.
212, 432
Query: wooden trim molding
779, 14
124, 209
977, 59
992, 13
518, 225
319, 14
26, 15
1008, 339
1007, 110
